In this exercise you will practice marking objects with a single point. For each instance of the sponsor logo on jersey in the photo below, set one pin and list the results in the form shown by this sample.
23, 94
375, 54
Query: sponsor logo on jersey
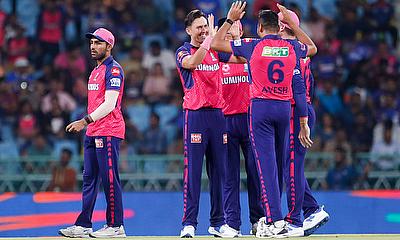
296, 71
95, 77
225, 138
247, 40
275, 51
115, 82
237, 43
226, 68
98, 142
246, 67
206, 67
195, 138
115, 71
93, 86
235, 80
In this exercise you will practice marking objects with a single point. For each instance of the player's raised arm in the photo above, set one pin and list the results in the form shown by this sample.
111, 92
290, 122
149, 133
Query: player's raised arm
235, 13
299, 33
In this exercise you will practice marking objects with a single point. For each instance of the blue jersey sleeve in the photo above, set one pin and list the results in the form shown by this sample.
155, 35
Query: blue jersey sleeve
300, 49
243, 47
299, 93
224, 57
114, 77
180, 54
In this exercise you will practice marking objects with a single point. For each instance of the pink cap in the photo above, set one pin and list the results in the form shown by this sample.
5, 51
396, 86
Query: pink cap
102, 34
293, 16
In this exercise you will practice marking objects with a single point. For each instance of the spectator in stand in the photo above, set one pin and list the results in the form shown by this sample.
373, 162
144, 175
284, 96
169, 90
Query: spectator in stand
63, 177
134, 60
383, 14
158, 55
65, 100
22, 77
343, 175
17, 46
55, 121
50, 31
156, 86
72, 61
385, 150
27, 123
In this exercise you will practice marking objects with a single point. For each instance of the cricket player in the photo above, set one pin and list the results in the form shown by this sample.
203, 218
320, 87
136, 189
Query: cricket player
204, 123
105, 130
236, 93
273, 62
298, 192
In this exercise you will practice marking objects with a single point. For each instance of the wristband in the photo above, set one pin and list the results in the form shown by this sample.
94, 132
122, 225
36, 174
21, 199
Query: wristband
206, 43
88, 119
229, 21
303, 120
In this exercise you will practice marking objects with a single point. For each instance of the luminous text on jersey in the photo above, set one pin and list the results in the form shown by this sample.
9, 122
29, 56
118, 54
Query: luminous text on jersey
235, 80
206, 67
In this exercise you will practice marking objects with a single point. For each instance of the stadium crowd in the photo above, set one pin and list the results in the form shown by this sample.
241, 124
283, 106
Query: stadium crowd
45, 64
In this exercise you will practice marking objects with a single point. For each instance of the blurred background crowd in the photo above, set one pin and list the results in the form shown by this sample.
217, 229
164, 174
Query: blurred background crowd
44, 66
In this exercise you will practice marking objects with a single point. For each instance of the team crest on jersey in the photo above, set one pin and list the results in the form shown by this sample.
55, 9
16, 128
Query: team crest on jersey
225, 138
237, 43
115, 71
98, 142
195, 138
213, 57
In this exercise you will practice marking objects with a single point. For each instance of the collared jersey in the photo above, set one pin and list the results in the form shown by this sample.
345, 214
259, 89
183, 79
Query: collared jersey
272, 62
107, 76
202, 86
235, 88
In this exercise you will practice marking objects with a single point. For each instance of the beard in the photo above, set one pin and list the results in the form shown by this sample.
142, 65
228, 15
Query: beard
99, 56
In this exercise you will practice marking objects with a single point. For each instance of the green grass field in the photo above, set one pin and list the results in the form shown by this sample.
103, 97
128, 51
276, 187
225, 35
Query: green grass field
313, 237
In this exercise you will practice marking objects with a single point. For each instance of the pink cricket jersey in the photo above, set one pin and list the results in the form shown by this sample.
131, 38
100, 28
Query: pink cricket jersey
272, 61
108, 76
235, 88
202, 86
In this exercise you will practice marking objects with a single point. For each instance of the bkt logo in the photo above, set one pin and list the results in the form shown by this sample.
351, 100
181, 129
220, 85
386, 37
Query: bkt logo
275, 51
93, 86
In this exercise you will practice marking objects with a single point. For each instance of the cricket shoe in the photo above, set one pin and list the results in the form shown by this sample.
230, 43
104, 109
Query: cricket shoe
292, 231
224, 231
109, 232
315, 221
187, 232
269, 230
75, 232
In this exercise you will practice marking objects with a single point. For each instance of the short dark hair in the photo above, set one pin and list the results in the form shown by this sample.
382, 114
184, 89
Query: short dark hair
269, 20
193, 15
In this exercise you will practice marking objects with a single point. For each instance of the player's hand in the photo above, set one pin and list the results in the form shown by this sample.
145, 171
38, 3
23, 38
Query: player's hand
237, 11
304, 136
212, 30
285, 13
76, 126
235, 30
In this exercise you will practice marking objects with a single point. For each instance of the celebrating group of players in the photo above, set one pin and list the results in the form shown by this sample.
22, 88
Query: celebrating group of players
253, 94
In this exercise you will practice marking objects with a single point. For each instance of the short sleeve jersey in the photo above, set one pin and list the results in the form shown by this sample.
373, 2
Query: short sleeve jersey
107, 76
235, 88
202, 86
272, 62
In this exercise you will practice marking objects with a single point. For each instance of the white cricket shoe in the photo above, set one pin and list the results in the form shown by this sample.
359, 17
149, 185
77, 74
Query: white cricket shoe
187, 232
75, 232
315, 221
292, 231
228, 232
109, 232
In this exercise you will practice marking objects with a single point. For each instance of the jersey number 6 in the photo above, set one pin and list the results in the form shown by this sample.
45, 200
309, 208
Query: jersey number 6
275, 74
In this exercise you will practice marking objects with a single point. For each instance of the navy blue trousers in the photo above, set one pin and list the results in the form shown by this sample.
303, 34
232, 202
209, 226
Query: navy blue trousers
238, 137
101, 163
269, 133
204, 134
298, 192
